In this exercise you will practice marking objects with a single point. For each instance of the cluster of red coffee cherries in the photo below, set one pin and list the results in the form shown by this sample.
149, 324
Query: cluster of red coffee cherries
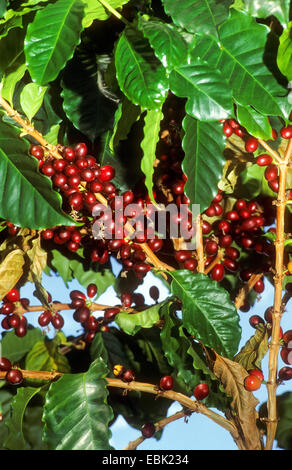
11, 319
13, 376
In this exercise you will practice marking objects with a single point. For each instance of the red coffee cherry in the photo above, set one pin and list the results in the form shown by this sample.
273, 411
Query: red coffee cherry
57, 321
286, 132
166, 382
5, 364
271, 172
255, 320
251, 144
264, 159
201, 391
148, 430
13, 295
257, 373
285, 373
14, 377
91, 290
45, 318
218, 272
128, 376
252, 383
286, 355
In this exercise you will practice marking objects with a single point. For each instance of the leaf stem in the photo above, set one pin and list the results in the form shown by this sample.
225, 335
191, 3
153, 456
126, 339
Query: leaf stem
270, 150
114, 12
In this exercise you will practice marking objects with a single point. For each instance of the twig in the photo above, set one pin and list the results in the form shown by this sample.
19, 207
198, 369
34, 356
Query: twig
270, 150
199, 245
108, 7
214, 262
158, 427
277, 308
244, 291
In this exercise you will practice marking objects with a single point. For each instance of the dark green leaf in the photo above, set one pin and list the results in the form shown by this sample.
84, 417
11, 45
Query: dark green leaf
256, 124
15, 439
90, 111
203, 144
197, 16
168, 44
284, 57
141, 76
76, 413
259, 9
208, 313
239, 57
207, 92
51, 39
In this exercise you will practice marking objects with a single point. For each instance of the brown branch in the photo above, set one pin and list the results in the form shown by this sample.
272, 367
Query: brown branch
199, 245
27, 128
158, 427
217, 259
244, 291
274, 154
185, 401
277, 307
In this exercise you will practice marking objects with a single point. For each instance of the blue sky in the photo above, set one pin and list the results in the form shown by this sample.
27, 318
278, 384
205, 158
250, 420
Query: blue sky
200, 433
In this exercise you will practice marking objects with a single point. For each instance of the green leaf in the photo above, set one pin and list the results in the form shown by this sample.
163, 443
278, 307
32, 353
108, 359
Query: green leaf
168, 44
126, 115
89, 110
6, 397
203, 144
15, 348
148, 145
15, 439
10, 79
27, 197
207, 92
11, 49
2, 8
208, 313
46, 355
256, 124
239, 57
31, 99
284, 56
76, 413
96, 11
141, 76
259, 9
197, 16
284, 428
51, 39
52, 135
130, 323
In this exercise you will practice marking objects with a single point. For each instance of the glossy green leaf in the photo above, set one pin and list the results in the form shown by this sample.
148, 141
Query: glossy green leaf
259, 9
2, 8
141, 76
10, 79
31, 99
90, 111
208, 313
131, 323
76, 413
15, 439
207, 92
151, 137
284, 57
11, 49
168, 44
197, 16
94, 10
203, 144
51, 39
256, 124
239, 57
126, 115
15, 348
27, 197
284, 428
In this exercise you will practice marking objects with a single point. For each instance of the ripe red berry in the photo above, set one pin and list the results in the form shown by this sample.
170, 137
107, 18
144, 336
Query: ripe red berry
69, 154
91, 290
148, 430
80, 150
285, 373
37, 151
271, 172
255, 320
107, 173
264, 159
13, 295
201, 391
251, 144
45, 318
190, 264
259, 286
257, 373
218, 272
166, 382
286, 355
14, 377
57, 321
227, 129
128, 376
286, 132
252, 383
5, 364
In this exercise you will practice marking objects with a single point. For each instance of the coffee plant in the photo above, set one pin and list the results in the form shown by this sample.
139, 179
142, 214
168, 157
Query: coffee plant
157, 137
